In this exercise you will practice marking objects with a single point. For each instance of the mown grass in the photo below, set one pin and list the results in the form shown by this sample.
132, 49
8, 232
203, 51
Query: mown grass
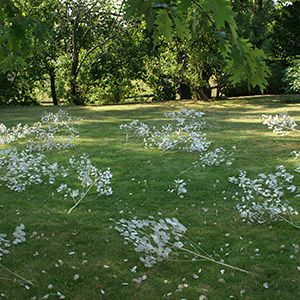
88, 244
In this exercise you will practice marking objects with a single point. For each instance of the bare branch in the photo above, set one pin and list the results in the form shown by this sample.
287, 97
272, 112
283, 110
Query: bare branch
102, 44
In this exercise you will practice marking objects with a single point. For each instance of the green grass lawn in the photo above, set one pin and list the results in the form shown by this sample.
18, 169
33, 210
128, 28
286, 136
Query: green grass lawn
81, 256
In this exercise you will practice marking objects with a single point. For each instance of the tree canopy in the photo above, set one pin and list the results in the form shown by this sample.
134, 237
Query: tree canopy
89, 49
20, 34
244, 62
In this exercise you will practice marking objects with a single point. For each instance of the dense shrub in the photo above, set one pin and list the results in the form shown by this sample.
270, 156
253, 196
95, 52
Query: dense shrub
275, 81
13, 91
292, 77
164, 89
6, 89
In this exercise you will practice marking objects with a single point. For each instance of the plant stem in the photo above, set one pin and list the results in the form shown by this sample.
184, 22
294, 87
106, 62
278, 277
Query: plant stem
187, 169
77, 203
18, 276
210, 259
291, 223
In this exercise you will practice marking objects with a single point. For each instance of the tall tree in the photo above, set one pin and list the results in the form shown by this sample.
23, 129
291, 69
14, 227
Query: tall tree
78, 33
90, 25
115, 73
168, 18
47, 55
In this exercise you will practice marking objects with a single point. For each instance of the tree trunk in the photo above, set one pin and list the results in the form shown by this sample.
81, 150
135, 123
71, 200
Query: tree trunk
203, 93
75, 56
53, 89
203, 90
184, 89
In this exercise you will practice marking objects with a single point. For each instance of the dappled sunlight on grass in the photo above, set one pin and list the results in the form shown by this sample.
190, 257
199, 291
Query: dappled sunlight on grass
82, 256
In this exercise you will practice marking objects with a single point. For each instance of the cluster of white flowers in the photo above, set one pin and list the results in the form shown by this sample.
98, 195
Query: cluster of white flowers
280, 124
89, 176
24, 168
196, 142
262, 198
5, 243
296, 154
188, 120
184, 113
216, 157
162, 239
186, 131
54, 131
139, 128
61, 117
9, 135
164, 139
18, 169
179, 187
155, 239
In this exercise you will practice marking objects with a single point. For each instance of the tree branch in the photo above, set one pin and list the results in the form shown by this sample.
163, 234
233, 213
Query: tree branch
100, 45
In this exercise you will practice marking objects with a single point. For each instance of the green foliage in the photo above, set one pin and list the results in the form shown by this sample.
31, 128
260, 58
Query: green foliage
253, 22
276, 83
244, 62
292, 77
20, 35
285, 31
15, 90
111, 74
273, 28
241, 89
222, 13
169, 18
164, 24
94, 54
201, 57
161, 73
6, 89
77, 42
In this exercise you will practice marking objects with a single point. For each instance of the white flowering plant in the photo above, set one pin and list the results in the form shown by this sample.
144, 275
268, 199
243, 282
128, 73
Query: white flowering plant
66, 255
9, 135
296, 154
19, 236
264, 198
88, 176
178, 187
216, 157
281, 124
162, 240
213, 158
20, 169
185, 134
54, 131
